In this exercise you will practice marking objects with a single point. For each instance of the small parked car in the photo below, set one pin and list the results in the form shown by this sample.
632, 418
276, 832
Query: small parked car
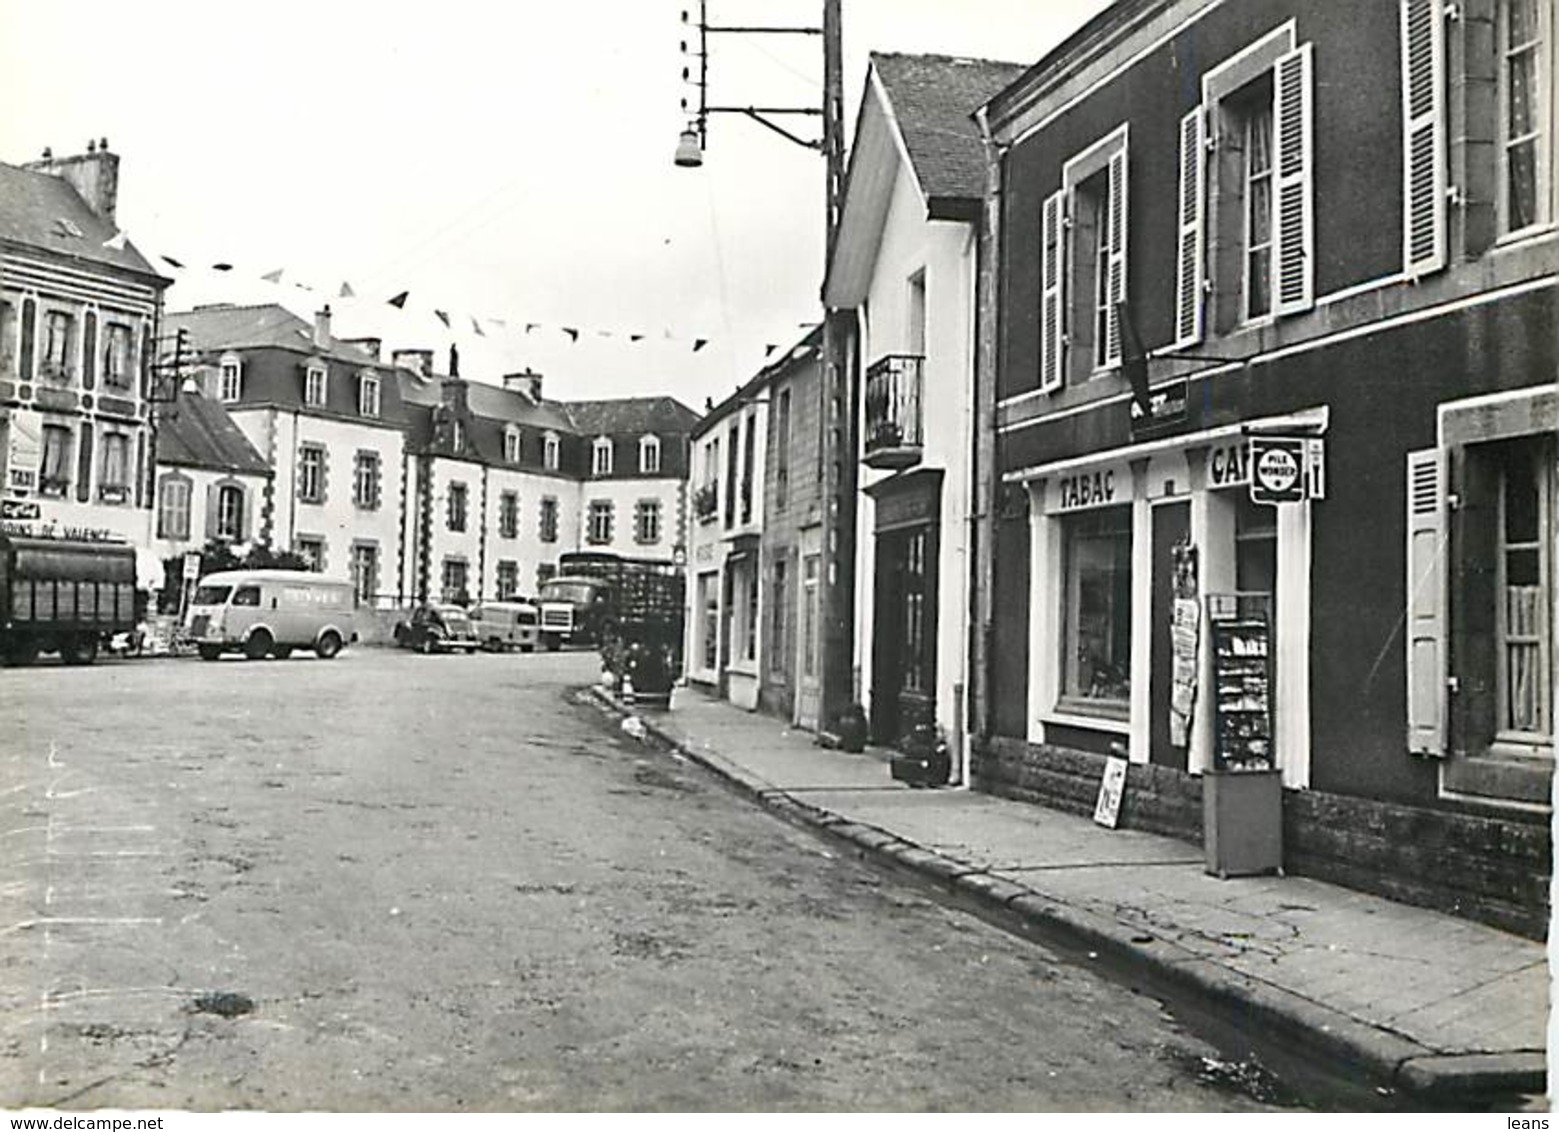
503, 626
438, 627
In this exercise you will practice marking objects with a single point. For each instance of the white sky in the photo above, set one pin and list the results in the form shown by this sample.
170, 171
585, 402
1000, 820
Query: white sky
502, 160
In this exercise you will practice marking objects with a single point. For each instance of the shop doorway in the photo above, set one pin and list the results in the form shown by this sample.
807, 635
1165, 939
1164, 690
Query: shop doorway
1171, 528
904, 633
809, 692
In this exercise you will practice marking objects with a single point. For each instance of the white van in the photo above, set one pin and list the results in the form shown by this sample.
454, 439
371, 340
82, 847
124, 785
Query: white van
503, 626
269, 613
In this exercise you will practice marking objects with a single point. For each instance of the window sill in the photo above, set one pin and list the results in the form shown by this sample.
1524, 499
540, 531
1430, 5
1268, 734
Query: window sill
1506, 773
1087, 716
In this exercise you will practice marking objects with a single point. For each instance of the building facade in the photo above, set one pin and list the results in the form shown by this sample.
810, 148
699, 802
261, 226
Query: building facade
1225, 223
210, 479
904, 265
79, 317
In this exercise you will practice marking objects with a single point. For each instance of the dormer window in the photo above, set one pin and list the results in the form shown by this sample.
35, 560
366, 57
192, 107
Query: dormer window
314, 385
230, 379
549, 451
649, 455
457, 436
511, 444
601, 456
368, 395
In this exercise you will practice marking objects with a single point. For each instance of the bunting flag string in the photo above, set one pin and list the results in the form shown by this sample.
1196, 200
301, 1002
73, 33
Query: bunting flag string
120, 240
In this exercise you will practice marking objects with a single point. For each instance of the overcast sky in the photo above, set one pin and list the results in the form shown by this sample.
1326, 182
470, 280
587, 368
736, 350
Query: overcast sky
504, 161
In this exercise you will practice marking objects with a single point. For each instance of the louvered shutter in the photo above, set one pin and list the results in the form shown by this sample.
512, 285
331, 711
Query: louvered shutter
1424, 170
212, 498
1190, 270
1052, 296
1426, 602
89, 350
1117, 256
1292, 184
245, 513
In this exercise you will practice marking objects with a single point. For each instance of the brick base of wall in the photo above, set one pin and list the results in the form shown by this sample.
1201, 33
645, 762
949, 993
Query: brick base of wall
1494, 869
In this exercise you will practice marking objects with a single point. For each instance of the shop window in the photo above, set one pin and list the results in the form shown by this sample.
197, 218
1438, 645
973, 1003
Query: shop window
1096, 614
709, 613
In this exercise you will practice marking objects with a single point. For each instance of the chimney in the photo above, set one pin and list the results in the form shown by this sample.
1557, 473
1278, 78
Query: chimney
420, 362
94, 175
527, 384
370, 346
322, 338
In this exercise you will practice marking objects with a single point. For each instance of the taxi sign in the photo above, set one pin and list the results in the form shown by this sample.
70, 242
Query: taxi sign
1277, 469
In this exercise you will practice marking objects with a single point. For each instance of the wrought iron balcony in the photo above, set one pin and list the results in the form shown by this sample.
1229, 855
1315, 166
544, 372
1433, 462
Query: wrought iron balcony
893, 411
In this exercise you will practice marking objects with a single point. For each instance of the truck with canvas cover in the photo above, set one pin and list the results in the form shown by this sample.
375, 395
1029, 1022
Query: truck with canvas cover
64, 596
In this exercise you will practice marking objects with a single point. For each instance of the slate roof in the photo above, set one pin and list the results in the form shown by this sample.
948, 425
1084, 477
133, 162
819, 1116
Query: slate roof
223, 326
932, 98
660, 415
200, 434
33, 206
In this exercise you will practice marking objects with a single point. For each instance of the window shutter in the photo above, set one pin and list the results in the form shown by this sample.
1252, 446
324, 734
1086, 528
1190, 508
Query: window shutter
245, 514
1426, 602
1052, 297
1292, 184
211, 511
89, 350
1190, 268
1424, 171
1117, 255
29, 332
84, 464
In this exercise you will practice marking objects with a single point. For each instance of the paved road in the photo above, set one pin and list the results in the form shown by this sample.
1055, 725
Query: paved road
394, 882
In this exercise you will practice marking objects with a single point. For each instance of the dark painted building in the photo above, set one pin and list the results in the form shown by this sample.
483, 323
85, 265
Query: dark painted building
1329, 223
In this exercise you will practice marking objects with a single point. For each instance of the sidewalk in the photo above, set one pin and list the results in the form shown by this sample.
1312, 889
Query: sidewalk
1428, 1001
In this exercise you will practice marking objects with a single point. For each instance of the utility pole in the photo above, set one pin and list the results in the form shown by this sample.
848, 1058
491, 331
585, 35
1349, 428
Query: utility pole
839, 409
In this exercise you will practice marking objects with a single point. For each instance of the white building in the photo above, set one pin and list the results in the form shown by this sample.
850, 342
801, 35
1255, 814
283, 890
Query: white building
905, 263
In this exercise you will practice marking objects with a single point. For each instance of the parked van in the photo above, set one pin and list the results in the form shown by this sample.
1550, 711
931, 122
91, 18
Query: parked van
503, 626
269, 613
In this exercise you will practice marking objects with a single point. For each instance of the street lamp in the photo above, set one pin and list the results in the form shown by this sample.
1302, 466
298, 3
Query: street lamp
839, 394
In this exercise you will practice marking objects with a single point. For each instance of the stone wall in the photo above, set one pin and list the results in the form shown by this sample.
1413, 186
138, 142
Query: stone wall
1490, 867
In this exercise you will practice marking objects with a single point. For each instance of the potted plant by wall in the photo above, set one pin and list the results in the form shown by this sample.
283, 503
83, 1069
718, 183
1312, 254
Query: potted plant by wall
852, 729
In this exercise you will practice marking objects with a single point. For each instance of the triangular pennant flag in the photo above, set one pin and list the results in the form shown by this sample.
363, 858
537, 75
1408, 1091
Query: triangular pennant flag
529, 326
346, 291
398, 301
221, 267
499, 322
769, 348
117, 241
699, 344
573, 335
168, 259
604, 333
635, 337
443, 317
273, 276
477, 326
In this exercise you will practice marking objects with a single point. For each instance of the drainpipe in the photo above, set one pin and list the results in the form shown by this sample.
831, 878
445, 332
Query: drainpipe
983, 469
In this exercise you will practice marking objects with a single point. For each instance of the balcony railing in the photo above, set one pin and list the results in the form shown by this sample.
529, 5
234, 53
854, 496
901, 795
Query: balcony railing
893, 411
